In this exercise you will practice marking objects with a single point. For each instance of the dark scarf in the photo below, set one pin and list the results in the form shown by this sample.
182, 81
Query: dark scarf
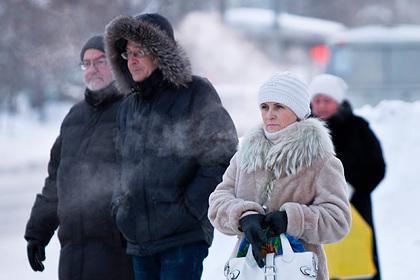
151, 86
344, 112
102, 97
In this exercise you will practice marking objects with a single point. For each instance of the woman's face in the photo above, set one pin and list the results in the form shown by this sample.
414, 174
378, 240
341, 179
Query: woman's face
324, 107
276, 116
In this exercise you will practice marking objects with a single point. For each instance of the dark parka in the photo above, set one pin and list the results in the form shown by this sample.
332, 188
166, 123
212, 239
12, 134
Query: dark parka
175, 141
76, 197
360, 152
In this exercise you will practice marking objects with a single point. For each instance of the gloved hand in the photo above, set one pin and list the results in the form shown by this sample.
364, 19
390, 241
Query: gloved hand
36, 254
253, 227
277, 221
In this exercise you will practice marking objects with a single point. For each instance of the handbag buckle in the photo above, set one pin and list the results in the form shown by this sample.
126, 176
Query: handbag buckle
231, 275
226, 269
270, 272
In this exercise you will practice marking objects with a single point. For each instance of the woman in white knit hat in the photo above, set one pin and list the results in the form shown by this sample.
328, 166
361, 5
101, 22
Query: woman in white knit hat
284, 178
327, 93
355, 143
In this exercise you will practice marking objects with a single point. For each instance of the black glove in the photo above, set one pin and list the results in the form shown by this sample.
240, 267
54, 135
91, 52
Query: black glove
253, 227
277, 221
36, 254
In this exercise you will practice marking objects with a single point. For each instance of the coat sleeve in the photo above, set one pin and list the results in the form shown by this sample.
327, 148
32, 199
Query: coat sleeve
370, 171
43, 220
327, 219
215, 142
225, 209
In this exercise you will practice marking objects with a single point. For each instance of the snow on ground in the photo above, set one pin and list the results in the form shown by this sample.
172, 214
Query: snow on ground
396, 199
24, 149
28, 135
25, 144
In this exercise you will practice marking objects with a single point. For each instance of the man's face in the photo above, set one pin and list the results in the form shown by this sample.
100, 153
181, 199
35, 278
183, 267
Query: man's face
97, 74
140, 64
323, 106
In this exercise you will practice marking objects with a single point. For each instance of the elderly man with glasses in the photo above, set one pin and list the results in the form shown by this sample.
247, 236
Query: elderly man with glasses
174, 141
82, 174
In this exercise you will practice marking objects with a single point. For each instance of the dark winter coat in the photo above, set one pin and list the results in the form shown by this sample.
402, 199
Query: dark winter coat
360, 152
76, 197
175, 141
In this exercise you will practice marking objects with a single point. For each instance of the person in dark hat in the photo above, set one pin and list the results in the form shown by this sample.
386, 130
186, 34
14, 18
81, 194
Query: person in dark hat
174, 142
82, 174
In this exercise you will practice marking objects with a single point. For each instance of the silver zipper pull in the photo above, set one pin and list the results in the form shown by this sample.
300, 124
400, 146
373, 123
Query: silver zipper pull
265, 209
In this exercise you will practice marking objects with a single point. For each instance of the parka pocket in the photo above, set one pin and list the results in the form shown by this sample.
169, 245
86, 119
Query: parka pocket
171, 216
125, 219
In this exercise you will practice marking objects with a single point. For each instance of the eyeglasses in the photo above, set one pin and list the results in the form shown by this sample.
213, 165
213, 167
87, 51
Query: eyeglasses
100, 62
136, 54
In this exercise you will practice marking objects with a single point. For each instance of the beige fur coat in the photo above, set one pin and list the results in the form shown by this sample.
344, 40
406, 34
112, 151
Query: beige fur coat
298, 174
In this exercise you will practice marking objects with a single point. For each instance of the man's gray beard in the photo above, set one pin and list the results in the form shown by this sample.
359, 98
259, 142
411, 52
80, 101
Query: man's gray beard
96, 84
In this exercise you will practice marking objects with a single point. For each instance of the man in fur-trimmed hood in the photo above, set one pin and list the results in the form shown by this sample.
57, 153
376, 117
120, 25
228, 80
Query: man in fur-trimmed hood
174, 142
156, 37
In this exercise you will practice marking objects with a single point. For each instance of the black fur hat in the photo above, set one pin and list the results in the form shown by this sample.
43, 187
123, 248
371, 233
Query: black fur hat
94, 42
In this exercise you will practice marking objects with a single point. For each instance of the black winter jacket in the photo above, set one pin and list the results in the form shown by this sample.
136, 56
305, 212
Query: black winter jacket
82, 174
360, 152
175, 141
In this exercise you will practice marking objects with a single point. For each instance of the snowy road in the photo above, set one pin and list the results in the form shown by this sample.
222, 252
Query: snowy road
18, 189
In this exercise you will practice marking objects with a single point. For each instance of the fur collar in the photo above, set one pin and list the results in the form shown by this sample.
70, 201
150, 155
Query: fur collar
298, 147
170, 58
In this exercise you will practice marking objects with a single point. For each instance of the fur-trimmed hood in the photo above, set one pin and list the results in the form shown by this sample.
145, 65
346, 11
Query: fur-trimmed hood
299, 145
170, 58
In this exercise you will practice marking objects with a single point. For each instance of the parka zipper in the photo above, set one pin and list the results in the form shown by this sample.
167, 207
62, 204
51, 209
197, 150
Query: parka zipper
145, 200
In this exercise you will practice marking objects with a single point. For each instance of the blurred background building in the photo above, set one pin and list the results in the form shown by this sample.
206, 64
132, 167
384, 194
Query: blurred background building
40, 39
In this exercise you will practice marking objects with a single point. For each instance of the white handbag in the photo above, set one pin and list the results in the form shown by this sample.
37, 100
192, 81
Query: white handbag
289, 266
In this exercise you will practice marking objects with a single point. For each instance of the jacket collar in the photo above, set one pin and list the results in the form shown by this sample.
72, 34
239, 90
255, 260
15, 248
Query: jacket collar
108, 94
151, 86
300, 146
344, 113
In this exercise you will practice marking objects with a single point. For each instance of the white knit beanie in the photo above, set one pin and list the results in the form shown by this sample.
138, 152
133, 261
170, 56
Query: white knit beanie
329, 85
286, 89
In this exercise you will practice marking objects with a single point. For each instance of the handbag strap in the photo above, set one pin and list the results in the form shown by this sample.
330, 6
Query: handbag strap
288, 254
270, 267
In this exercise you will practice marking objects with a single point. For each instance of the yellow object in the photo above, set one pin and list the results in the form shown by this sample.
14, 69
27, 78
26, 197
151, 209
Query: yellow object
352, 257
